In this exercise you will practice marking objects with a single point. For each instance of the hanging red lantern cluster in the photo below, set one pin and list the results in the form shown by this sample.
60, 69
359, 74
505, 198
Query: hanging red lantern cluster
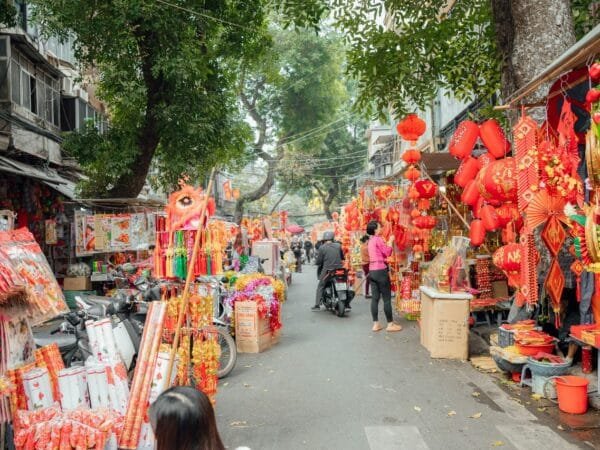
426, 188
411, 156
425, 222
411, 128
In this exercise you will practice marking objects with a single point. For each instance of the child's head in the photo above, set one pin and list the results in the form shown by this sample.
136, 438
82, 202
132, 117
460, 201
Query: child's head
183, 419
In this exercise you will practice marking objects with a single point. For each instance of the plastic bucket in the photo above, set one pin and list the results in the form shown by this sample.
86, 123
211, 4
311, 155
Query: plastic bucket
572, 394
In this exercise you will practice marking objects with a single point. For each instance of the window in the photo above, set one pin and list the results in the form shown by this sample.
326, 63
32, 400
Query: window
4, 69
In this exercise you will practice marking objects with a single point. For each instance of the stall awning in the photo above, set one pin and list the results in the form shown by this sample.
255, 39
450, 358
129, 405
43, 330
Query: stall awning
439, 162
46, 175
578, 55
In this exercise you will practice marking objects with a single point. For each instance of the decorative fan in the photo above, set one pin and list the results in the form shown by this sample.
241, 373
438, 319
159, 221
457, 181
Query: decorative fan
542, 206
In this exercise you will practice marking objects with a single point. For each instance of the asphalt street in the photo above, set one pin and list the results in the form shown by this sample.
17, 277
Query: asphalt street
331, 383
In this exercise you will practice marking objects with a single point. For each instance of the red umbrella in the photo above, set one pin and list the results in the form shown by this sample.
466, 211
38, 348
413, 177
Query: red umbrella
295, 229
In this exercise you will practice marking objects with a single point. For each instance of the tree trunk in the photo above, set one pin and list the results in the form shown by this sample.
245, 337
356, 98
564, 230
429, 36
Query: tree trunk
530, 35
328, 198
130, 185
259, 192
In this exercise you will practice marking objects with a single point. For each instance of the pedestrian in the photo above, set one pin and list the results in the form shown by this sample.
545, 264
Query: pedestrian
308, 246
297, 249
364, 256
183, 419
379, 276
329, 257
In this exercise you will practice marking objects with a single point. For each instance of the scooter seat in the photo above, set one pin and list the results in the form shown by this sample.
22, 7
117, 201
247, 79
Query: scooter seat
63, 340
97, 300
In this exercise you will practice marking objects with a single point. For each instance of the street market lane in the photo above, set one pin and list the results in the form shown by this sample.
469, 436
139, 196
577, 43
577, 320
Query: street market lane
331, 383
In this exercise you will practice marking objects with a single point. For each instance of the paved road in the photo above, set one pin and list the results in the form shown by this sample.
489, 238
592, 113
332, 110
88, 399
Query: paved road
331, 383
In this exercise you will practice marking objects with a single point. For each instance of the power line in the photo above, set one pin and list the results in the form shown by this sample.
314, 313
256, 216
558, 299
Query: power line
207, 16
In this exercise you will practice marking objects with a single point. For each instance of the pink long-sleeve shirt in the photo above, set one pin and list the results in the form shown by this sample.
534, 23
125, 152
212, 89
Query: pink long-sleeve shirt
379, 251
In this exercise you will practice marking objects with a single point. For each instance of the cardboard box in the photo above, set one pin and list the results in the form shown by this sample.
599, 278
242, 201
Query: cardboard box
445, 324
77, 284
268, 250
252, 333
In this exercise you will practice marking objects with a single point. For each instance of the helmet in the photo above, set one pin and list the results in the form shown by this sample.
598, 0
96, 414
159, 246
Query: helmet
328, 236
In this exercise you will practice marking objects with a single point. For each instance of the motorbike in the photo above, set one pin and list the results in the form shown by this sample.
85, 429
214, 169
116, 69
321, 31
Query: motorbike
70, 337
337, 295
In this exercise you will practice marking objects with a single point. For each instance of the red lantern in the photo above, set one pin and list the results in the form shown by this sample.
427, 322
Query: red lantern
411, 156
412, 173
508, 258
470, 195
426, 188
413, 194
498, 181
507, 212
476, 233
415, 213
477, 208
463, 140
467, 171
485, 159
425, 222
424, 204
411, 127
489, 218
493, 138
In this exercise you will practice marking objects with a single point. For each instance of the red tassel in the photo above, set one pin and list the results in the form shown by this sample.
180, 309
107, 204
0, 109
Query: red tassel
578, 289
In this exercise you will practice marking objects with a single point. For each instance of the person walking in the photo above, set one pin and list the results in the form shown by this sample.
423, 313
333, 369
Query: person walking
308, 246
364, 256
381, 286
297, 249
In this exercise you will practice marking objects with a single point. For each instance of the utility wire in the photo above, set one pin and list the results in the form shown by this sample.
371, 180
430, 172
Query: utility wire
207, 16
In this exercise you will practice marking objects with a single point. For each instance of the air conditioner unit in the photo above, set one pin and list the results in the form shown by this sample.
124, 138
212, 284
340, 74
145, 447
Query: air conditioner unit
82, 94
66, 86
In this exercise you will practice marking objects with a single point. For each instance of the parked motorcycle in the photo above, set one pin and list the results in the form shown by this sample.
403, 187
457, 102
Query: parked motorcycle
69, 335
337, 295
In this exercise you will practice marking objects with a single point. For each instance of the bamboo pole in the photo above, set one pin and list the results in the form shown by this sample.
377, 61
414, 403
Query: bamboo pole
190, 275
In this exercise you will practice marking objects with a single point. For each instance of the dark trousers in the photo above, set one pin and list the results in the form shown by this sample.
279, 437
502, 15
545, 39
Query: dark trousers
381, 287
299, 263
365, 268
308, 256
321, 287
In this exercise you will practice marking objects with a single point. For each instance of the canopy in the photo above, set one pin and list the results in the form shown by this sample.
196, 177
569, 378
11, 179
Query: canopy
295, 229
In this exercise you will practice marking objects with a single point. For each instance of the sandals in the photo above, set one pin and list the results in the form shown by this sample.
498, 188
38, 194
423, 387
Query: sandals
392, 327
377, 327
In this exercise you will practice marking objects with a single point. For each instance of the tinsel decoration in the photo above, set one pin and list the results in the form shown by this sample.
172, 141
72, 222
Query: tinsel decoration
529, 279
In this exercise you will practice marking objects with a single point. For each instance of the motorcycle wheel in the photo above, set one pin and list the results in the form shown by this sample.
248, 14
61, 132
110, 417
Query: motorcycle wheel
228, 353
341, 308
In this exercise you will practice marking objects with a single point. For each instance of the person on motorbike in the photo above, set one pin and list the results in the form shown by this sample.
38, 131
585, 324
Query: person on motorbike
329, 257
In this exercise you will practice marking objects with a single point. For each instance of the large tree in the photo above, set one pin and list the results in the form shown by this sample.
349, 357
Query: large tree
403, 51
165, 69
291, 93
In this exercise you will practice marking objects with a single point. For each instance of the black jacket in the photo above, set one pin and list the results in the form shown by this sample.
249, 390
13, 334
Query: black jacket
329, 257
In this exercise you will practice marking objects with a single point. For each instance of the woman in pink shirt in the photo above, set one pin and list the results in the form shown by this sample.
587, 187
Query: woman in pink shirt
379, 251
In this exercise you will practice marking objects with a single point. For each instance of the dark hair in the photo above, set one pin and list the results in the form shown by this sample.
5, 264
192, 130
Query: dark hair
183, 419
372, 227
365, 238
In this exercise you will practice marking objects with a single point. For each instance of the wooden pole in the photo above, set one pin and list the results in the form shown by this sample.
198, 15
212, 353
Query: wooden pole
188, 281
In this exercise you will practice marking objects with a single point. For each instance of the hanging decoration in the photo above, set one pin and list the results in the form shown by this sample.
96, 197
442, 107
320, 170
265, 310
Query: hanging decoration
525, 134
463, 140
411, 128
494, 139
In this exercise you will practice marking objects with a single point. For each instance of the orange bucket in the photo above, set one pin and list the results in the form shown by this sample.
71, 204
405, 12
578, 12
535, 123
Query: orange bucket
572, 394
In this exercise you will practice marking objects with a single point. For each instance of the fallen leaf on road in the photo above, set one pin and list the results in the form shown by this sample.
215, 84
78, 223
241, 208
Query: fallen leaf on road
476, 394
416, 408
451, 413
266, 390
226, 384
271, 371
497, 444
560, 427
238, 423
475, 416
376, 386
541, 409
536, 396
246, 385
247, 367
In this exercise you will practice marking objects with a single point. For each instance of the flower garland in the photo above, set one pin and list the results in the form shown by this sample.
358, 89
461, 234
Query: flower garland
267, 292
